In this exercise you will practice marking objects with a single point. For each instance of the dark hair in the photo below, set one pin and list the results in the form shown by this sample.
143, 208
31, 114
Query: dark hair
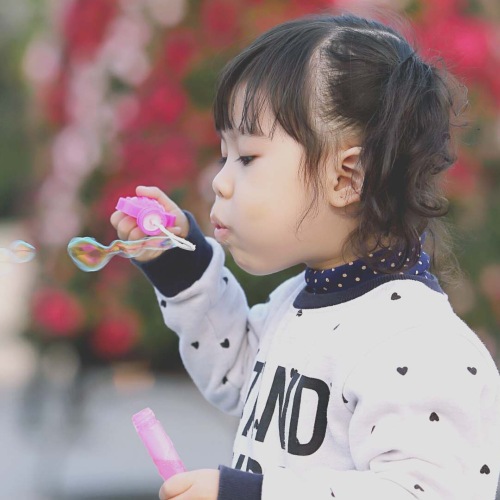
326, 76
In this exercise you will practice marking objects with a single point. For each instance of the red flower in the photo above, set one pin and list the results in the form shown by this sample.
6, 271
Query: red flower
57, 312
54, 99
180, 50
220, 20
166, 103
116, 335
138, 155
85, 25
163, 104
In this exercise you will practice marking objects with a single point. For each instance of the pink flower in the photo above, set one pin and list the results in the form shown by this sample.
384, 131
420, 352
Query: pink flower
465, 44
116, 335
57, 312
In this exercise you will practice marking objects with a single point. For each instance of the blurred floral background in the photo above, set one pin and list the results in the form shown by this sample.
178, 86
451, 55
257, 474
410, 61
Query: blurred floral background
118, 94
99, 96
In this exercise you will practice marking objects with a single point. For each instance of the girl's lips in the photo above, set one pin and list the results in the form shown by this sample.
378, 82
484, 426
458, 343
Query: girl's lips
221, 232
217, 223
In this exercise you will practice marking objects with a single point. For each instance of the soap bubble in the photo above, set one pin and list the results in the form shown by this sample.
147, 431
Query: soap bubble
18, 252
90, 255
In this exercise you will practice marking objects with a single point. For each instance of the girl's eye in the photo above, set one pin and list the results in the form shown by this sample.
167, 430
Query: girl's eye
246, 160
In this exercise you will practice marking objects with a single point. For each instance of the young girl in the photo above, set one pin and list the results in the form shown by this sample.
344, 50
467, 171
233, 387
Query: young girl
356, 379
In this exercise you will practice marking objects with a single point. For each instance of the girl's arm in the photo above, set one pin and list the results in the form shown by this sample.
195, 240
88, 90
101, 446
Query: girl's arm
204, 304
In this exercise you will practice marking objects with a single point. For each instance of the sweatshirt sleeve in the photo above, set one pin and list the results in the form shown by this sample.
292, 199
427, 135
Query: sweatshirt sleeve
203, 303
239, 484
177, 269
425, 425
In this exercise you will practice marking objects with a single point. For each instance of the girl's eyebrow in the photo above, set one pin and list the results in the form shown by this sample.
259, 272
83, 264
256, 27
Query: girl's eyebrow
238, 133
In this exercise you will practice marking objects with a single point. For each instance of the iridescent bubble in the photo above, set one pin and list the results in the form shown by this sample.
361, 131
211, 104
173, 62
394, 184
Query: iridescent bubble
18, 252
90, 255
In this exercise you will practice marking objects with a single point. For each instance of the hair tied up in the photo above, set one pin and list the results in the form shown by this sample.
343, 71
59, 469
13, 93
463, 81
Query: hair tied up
411, 56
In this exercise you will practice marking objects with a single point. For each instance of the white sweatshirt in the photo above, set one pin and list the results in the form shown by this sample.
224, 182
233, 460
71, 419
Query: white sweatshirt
386, 395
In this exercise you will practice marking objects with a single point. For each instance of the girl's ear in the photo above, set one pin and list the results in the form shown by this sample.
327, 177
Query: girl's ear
345, 178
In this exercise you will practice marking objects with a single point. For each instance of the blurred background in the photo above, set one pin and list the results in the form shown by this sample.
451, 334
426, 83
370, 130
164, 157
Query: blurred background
99, 96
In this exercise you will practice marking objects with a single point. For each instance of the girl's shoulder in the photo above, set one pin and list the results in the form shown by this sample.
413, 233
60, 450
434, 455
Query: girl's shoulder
288, 290
420, 319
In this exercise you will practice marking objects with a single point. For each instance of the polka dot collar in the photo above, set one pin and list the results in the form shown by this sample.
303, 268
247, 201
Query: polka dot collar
355, 273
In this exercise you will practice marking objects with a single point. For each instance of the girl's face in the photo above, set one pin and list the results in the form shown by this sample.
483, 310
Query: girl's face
261, 198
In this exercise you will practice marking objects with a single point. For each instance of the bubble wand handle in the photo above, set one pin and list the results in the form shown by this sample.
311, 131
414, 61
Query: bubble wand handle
158, 444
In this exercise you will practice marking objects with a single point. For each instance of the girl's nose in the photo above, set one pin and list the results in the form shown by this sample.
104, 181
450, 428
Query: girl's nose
221, 184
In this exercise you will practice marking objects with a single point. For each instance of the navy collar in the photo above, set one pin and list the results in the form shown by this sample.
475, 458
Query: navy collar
354, 279
358, 272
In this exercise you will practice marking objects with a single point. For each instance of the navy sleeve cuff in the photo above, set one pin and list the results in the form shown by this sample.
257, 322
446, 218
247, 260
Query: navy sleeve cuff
239, 485
177, 269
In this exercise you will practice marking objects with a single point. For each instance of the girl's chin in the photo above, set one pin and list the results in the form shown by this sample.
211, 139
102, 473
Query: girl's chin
221, 234
252, 264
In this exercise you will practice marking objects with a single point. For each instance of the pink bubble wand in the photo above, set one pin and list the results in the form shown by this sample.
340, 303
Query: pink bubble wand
158, 444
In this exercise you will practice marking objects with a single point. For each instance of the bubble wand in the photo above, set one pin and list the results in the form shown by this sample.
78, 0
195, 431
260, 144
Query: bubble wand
158, 444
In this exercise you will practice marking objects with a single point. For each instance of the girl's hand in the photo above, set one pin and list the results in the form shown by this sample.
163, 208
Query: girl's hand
127, 228
195, 485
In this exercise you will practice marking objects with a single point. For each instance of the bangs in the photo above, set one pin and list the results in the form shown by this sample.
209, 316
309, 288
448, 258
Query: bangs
274, 74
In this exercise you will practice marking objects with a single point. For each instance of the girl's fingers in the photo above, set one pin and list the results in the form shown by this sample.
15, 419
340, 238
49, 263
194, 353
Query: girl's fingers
116, 217
126, 227
136, 234
175, 486
157, 194
176, 230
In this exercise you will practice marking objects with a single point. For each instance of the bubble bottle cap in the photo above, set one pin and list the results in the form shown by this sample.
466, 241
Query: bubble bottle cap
148, 212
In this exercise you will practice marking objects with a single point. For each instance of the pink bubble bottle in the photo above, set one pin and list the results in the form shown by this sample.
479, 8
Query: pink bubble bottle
148, 212
158, 444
